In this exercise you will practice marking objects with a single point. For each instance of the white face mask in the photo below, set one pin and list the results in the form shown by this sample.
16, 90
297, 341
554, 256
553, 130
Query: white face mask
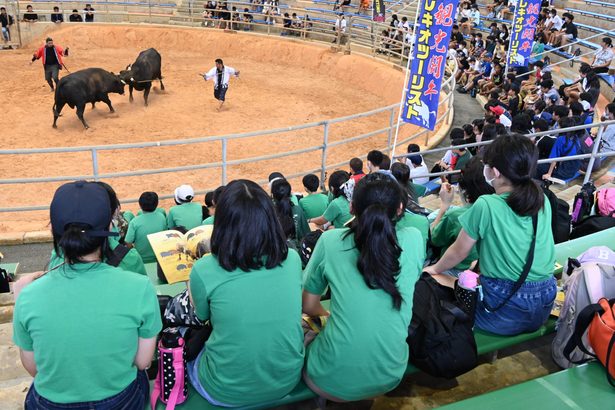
487, 180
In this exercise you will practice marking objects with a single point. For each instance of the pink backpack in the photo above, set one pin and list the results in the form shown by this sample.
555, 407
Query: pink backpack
171, 381
606, 202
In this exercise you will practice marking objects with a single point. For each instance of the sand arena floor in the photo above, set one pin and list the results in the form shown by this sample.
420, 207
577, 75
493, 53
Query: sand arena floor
283, 83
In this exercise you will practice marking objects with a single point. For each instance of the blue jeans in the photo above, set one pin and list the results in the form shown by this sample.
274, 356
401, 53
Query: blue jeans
133, 397
193, 375
525, 312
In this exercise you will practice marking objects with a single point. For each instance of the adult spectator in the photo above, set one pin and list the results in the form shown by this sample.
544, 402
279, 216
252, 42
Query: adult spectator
371, 269
544, 143
56, 16
417, 165
6, 21
30, 16
446, 227
608, 135
337, 213
568, 32
247, 19
147, 223
567, 144
548, 90
356, 169
186, 213
340, 29
54, 311
456, 35
88, 15
75, 17
554, 22
559, 112
374, 161
250, 271
586, 82
513, 229
314, 203
603, 57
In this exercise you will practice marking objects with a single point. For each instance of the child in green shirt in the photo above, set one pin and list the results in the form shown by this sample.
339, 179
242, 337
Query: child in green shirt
315, 203
147, 223
446, 227
503, 225
338, 210
249, 287
362, 350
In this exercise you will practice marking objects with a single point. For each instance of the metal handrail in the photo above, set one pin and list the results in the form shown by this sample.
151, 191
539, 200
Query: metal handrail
444, 106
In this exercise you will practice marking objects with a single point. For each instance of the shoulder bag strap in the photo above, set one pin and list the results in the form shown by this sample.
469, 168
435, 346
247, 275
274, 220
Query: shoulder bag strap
584, 318
526, 269
117, 255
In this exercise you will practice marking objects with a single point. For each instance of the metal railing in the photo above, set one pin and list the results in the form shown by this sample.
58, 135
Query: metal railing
323, 127
591, 156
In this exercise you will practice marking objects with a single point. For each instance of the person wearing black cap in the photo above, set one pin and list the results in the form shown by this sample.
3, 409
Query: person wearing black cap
569, 31
86, 330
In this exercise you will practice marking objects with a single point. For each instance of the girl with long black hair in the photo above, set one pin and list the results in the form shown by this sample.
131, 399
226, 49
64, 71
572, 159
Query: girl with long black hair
371, 269
249, 288
503, 226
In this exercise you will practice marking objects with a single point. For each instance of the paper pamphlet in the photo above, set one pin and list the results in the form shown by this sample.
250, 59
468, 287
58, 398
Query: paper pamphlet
177, 252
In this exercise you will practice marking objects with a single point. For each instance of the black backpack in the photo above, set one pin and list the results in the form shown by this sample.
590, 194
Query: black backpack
307, 245
583, 203
440, 336
591, 225
560, 216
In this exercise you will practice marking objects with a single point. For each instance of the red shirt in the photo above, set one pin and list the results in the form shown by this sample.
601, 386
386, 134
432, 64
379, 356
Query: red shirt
40, 53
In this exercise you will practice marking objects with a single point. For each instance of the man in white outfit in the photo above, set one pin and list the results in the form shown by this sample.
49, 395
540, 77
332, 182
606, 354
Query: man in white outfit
221, 76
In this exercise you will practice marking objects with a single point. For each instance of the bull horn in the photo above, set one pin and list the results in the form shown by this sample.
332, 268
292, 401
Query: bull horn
123, 82
132, 79
129, 67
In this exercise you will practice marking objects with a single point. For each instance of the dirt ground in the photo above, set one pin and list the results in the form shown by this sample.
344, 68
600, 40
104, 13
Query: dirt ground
282, 83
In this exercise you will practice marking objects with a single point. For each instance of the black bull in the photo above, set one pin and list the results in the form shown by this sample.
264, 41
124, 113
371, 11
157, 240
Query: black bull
140, 74
85, 86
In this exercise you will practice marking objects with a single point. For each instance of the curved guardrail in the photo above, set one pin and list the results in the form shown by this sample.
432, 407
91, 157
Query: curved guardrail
344, 41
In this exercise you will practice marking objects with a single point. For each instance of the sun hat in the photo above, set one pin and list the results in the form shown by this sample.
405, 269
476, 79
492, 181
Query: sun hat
184, 193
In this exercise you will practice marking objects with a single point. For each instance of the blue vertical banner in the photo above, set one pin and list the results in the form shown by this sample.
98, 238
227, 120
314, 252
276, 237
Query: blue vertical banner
433, 34
378, 11
522, 33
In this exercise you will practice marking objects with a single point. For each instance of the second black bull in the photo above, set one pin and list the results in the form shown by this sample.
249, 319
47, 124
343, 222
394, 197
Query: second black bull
140, 74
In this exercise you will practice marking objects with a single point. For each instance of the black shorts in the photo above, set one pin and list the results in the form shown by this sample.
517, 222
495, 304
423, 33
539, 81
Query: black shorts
220, 93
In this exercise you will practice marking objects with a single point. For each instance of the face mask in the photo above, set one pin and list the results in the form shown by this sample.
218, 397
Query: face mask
487, 180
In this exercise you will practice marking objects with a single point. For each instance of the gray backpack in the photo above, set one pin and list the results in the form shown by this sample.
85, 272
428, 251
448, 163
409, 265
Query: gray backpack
589, 277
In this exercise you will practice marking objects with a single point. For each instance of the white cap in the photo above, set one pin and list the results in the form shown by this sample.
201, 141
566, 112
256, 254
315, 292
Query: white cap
184, 193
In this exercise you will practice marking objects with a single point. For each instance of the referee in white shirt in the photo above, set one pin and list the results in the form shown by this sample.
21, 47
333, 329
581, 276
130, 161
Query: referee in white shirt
221, 76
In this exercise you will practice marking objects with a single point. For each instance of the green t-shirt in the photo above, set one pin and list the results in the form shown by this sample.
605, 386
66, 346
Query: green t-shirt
463, 160
301, 225
161, 210
132, 261
188, 215
128, 216
362, 351
504, 239
338, 212
255, 353
208, 221
420, 222
140, 227
419, 191
446, 232
83, 322
314, 205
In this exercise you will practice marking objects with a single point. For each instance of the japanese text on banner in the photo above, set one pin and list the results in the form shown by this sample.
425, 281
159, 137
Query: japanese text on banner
522, 32
433, 34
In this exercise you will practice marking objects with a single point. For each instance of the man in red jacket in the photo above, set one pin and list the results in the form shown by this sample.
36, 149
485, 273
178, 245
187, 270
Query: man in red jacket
52, 60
